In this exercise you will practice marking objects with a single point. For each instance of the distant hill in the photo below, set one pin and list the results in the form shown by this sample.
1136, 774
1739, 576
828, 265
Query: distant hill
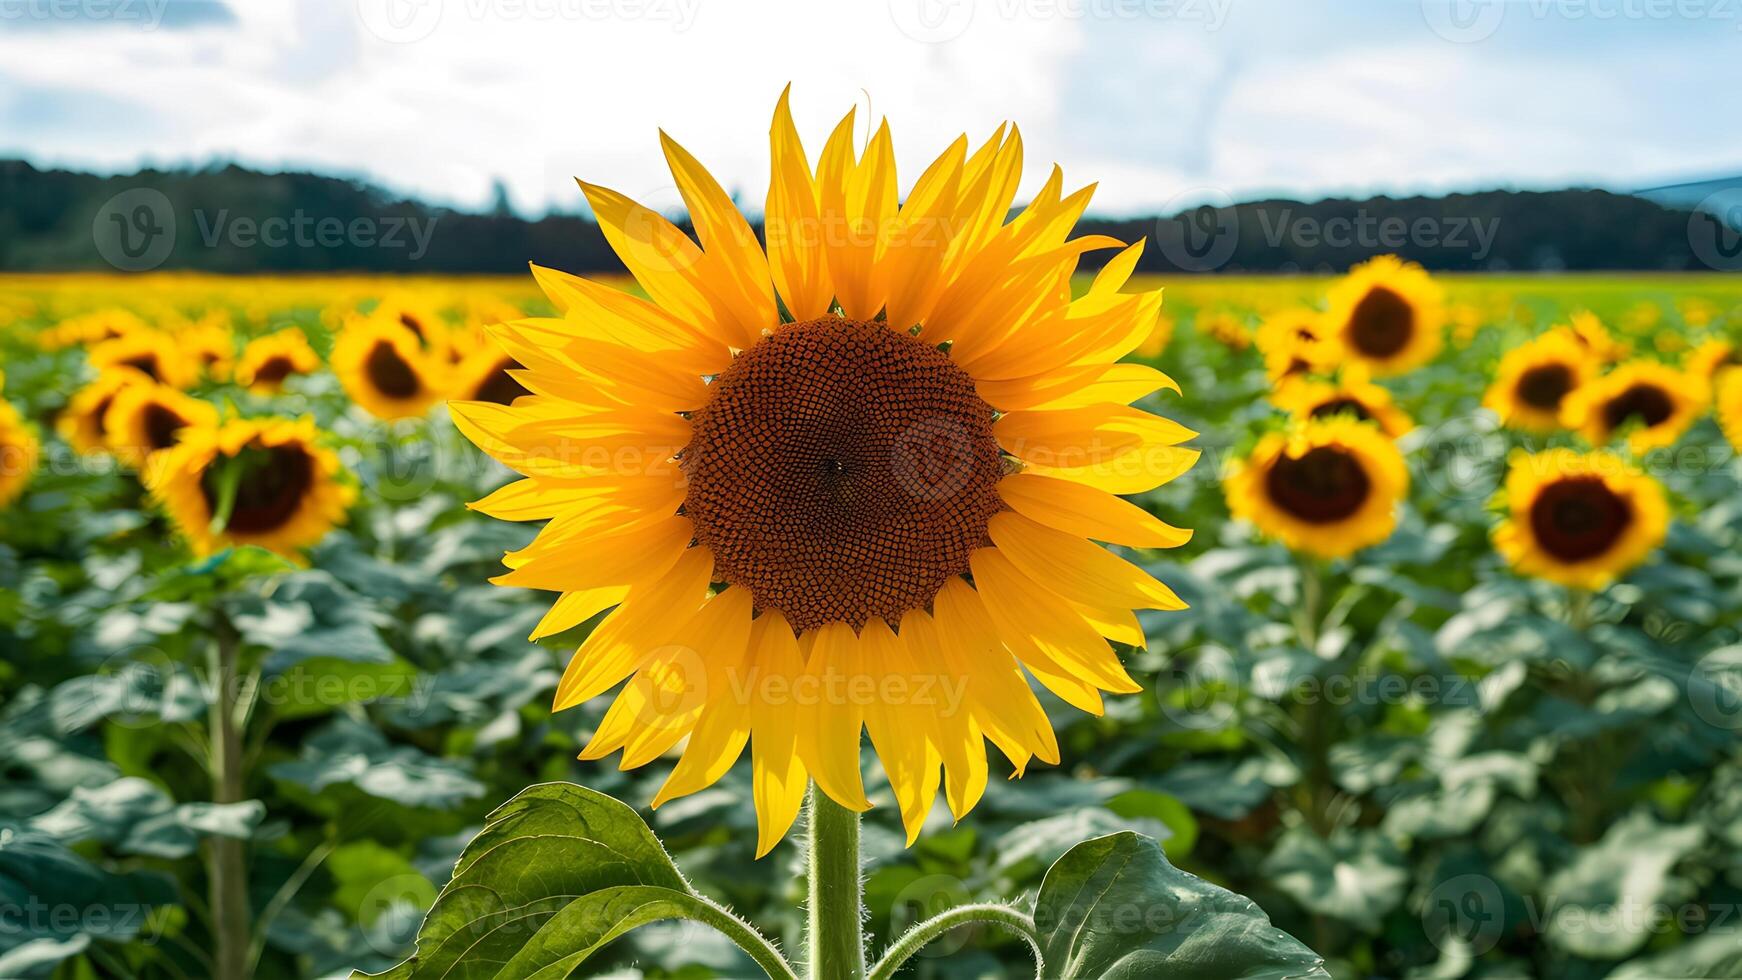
231, 219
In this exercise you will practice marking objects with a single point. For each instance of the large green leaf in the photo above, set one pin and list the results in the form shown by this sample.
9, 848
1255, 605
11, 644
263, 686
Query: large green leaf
1356, 876
1113, 908
557, 872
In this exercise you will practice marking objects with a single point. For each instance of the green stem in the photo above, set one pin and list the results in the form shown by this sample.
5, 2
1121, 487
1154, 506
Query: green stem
835, 936
229, 480
227, 862
916, 938
747, 939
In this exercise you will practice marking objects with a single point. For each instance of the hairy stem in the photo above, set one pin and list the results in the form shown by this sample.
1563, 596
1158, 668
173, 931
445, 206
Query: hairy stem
835, 936
916, 938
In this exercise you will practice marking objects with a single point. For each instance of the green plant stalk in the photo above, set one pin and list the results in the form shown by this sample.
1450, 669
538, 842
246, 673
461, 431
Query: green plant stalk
227, 869
834, 935
916, 938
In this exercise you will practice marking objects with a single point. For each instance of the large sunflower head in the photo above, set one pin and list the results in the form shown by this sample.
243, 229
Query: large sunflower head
870, 515
267, 362
1535, 378
150, 352
250, 482
147, 418
1652, 403
1729, 406
1387, 314
385, 369
1328, 487
84, 423
1352, 394
18, 454
1295, 344
1580, 519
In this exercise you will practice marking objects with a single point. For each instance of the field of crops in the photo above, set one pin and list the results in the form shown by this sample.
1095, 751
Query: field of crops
258, 691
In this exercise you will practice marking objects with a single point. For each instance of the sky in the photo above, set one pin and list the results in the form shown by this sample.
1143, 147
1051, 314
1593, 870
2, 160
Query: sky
1164, 103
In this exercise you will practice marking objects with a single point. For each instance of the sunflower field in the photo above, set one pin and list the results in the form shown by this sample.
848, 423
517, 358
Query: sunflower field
1445, 676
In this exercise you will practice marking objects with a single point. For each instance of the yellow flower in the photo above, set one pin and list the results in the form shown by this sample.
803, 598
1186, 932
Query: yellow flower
1535, 378
267, 362
1352, 394
84, 422
788, 545
1711, 358
211, 344
1387, 314
267, 481
150, 352
1730, 407
1467, 321
485, 376
18, 454
1224, 328
145, 418
1585, 329
1158, 339
414, 313
90, 329
1294, 343
385, 370
1653, 402
1328, 487
1580, 519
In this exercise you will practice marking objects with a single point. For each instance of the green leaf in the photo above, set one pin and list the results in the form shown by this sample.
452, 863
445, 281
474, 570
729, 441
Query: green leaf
1356, 877
1113, 908
557, 872
349, 751
1605, 898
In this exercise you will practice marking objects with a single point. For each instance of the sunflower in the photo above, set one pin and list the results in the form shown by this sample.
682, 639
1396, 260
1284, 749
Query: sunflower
488, 375
1328, 487
1585, 329
1294, 344
211, 344
1387, 314
90, 329
434, 337
1352, 394
1535, 378
1224, 328
84, 422
268, 361
385, 369
18, 454
145, 418
1580, 519
1729, 407
870, 515
1654, 402
150, 352
1712, 358
250, 482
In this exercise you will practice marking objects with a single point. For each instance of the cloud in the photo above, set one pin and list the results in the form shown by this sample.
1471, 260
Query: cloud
1158, 99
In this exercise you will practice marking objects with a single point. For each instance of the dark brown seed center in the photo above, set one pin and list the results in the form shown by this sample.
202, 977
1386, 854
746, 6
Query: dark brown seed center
389, 372
270, 490
1544, 386
842, 470
274, 370
1382, 323
1324, 486
161, 426
1646, 404
1579, 518
499, 386
1342, 406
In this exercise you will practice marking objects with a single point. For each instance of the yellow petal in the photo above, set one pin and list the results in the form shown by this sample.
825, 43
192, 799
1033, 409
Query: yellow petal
829, 741
1002, 701
618, 645
779, 779
1074, 568
954, 728
1048, 636
797, 259
1083, 510
575, 608
736, 268
898, 727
